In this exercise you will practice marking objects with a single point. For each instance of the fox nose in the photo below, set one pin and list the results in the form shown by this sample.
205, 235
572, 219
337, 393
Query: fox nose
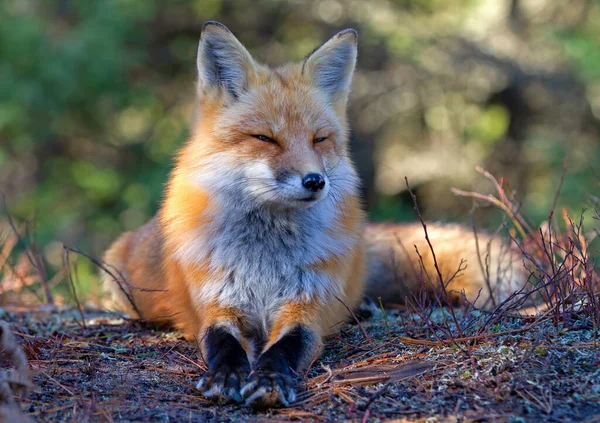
313, 182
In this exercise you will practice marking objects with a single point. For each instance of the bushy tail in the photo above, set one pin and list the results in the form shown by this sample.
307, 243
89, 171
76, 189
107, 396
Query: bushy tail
482, 268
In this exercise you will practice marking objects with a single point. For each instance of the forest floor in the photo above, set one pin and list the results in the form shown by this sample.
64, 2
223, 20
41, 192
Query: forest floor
114, 369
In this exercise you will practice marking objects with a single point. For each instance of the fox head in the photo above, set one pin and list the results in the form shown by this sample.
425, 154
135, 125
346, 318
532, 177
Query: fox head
277, 137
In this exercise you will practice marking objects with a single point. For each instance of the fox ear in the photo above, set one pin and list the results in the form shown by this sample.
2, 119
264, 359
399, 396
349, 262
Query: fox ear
330, 66
223, 62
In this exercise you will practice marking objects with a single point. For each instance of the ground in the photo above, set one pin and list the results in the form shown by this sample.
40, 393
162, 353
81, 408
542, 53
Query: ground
114, 369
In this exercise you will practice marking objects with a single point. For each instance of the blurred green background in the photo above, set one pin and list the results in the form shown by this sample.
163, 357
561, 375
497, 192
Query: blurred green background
96, 96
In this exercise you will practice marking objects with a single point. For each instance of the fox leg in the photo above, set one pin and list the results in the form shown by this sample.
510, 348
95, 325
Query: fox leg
225, 352
293, 342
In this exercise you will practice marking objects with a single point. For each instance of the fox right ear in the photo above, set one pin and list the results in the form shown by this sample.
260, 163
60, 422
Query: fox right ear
223, 62
330, 67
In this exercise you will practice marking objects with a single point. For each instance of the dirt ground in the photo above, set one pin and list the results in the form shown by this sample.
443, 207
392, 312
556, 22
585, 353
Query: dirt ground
113, 369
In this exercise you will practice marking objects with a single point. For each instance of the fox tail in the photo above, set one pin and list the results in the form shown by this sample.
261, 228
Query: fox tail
480, 268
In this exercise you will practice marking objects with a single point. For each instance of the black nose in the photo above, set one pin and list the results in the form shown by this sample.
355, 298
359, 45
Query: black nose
313, 182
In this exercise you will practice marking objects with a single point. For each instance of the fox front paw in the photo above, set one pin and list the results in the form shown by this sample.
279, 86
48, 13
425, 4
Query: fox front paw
268, 389
222, 385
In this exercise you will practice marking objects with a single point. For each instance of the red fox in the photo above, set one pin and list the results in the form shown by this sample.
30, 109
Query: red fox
260, 247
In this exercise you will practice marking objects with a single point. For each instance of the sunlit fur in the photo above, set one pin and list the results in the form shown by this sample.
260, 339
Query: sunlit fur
242, 242
238, 241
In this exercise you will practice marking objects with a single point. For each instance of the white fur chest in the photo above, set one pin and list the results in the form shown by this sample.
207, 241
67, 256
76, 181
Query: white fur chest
264, 258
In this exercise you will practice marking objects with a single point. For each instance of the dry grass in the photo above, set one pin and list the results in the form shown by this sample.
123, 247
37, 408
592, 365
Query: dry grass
534, 357
122, 370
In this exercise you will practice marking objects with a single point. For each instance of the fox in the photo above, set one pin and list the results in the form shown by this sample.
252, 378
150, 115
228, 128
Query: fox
261, 247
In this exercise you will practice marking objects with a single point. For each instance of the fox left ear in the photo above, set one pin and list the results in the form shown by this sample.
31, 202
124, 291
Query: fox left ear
223, 62
330, 67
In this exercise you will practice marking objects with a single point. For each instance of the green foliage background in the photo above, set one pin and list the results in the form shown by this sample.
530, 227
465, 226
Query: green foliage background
96, 96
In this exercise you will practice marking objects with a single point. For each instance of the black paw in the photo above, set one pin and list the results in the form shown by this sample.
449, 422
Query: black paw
268, 389
366, 310
222, 385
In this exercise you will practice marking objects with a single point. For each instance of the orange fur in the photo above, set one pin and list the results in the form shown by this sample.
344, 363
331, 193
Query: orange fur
293, 113
180, 281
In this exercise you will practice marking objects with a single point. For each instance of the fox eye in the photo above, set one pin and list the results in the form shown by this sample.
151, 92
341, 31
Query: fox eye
264, 138
321, 139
